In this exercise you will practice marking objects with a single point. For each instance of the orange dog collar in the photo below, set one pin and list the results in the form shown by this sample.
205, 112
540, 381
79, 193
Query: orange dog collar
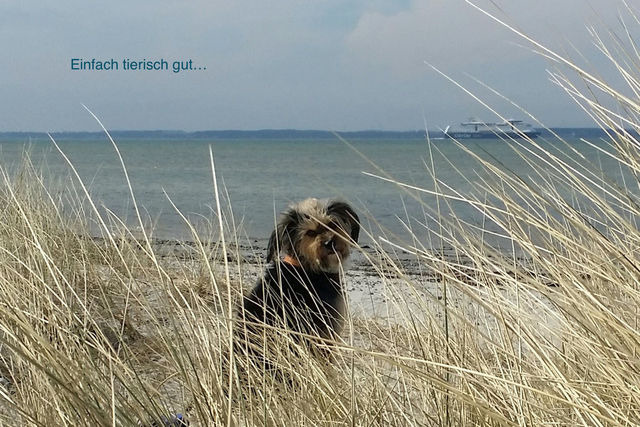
291, 261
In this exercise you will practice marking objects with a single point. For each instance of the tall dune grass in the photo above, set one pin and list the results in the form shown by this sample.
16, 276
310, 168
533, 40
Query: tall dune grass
114, 330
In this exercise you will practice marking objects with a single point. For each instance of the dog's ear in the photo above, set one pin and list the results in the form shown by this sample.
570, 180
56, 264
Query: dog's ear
282, 237
346, 213
272, 246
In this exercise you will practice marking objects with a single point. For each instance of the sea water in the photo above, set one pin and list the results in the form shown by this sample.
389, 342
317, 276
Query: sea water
257, 178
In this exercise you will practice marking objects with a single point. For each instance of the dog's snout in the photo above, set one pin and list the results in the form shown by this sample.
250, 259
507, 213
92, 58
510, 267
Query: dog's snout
329, 244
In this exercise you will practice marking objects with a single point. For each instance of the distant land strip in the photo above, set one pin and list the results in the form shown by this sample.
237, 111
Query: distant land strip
272, 134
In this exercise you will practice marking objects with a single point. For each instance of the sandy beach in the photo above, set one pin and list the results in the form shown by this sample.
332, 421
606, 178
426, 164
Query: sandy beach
381, 285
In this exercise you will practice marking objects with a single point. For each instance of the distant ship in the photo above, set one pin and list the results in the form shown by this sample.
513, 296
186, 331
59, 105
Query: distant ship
476, 129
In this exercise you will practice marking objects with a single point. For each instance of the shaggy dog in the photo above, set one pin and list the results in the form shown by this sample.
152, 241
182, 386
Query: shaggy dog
302, 291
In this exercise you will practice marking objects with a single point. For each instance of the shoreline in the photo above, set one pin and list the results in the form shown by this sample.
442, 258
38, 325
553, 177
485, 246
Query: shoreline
380, 286
253, 252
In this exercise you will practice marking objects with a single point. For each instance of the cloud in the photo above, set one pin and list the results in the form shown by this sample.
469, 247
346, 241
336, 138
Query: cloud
439, 32
454, 33
461, 40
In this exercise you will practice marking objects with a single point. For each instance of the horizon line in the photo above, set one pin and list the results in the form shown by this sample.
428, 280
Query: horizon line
4, 132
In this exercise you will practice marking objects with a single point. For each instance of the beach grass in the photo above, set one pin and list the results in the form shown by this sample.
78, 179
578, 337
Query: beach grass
101, 325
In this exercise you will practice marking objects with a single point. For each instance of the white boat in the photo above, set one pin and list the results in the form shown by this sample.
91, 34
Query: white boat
477, 129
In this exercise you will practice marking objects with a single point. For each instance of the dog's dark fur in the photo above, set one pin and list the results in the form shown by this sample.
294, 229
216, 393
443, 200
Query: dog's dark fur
303, 292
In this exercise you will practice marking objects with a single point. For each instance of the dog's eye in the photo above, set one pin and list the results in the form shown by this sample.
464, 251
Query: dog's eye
311, 233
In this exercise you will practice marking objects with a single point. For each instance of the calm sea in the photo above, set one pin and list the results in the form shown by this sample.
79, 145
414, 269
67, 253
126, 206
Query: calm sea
261, 177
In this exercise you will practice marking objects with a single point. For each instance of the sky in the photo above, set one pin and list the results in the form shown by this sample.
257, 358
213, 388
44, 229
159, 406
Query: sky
290, 64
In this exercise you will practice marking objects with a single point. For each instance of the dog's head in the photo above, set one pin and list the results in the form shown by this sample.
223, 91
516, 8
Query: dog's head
317, 234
